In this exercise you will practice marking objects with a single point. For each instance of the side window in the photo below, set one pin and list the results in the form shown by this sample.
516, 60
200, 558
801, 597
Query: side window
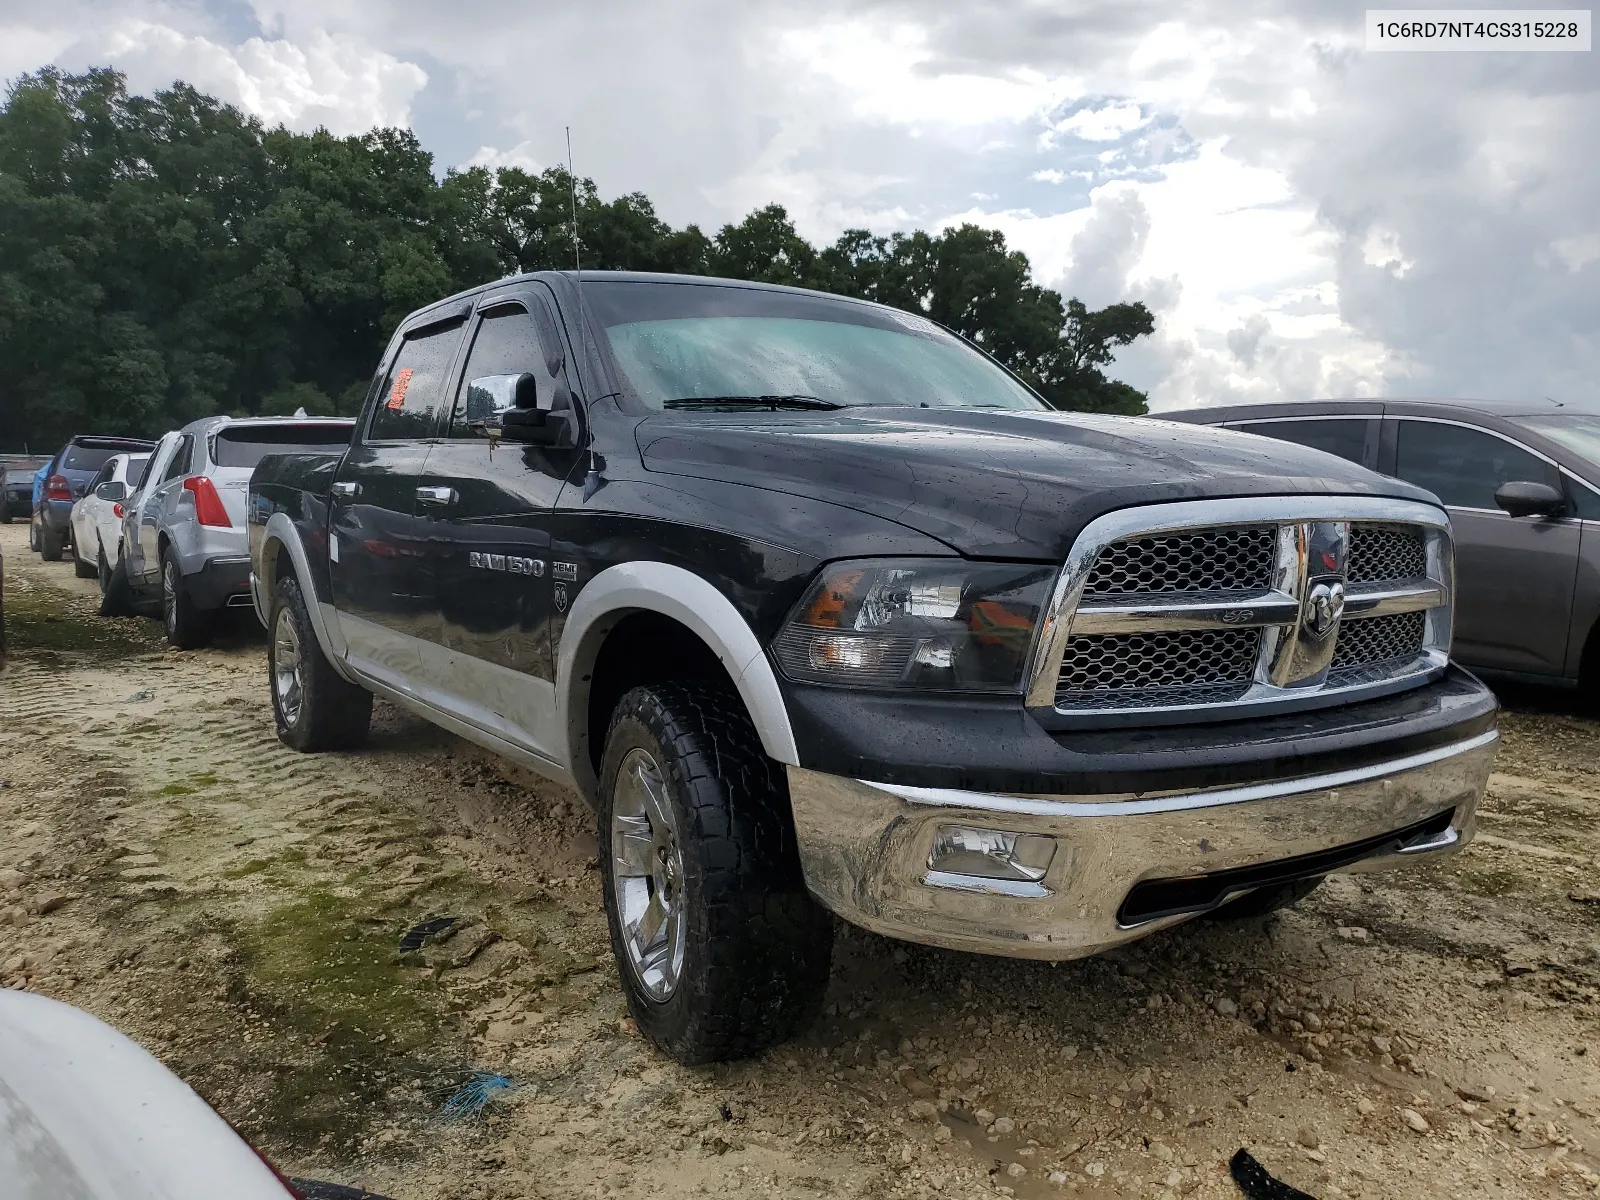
1585, 500
1346, 438
1464, 467
179, 465
408, 406
507, 343
105, 474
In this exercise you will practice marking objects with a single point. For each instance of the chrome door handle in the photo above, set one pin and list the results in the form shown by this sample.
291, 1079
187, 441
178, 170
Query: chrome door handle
346, 487
436, 495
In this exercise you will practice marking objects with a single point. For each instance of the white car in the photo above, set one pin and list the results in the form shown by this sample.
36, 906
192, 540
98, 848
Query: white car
86, 1114
97, 514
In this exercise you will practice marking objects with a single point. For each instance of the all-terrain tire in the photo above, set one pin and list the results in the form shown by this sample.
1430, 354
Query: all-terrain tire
1265, 900
188, 626
116, 596
83, 570
50, 544
326, 711
757, 946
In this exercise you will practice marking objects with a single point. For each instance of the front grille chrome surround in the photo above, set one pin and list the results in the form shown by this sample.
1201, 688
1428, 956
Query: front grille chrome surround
1210, 610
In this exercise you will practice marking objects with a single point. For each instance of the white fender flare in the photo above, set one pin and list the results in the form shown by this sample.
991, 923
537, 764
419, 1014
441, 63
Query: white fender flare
688, 599
281, 531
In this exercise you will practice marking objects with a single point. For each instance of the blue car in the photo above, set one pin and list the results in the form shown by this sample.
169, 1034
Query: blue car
64, 479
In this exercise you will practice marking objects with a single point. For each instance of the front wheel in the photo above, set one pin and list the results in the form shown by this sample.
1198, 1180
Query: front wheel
313, 706
721, 950
116, 596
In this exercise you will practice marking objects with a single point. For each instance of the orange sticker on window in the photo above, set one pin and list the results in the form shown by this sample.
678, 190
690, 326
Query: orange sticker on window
397, 394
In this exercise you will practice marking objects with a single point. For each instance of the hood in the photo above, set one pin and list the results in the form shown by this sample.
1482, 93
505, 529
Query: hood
995, 484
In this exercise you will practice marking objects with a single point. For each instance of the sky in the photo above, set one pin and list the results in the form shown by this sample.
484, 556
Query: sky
1304, 218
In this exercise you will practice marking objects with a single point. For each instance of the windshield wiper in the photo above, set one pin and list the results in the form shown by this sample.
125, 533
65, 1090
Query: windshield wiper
771, 403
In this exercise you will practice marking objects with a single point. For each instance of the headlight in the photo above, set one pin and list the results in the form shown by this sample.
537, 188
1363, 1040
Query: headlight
928, 623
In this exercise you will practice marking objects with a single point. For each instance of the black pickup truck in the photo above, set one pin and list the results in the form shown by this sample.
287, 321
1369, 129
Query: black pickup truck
822, 609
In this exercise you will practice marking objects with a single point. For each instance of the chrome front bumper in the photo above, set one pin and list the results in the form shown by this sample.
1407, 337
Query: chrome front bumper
865, 847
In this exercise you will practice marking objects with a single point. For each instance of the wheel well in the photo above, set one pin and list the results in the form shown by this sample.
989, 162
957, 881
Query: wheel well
282, 562
1589, 660
643, 648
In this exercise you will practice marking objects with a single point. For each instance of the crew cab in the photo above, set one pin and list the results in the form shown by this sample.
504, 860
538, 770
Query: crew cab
822, 609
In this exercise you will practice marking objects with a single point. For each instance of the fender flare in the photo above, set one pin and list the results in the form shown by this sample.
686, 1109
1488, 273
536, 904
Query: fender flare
281, 531
688, 599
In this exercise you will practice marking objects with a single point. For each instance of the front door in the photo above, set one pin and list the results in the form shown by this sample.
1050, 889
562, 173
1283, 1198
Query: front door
376, 565
1515, 576
485, 512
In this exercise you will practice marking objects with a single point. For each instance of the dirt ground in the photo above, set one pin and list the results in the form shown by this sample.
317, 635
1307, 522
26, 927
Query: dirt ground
238, 908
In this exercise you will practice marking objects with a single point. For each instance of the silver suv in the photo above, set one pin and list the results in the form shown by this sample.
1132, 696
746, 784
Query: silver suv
185, 551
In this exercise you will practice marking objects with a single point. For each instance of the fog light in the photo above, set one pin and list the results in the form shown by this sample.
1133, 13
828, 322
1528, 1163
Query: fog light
990, 854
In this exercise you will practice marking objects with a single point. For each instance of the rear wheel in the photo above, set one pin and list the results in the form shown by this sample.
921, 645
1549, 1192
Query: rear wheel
188, 626
50, 543
33, 534
313, 706
720, 949
83, 570
1265, 900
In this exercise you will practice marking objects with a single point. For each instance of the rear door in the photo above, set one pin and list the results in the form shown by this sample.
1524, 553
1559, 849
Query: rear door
1353, 437
1515, 576
485, 511
88, 513
159, 504
381, 587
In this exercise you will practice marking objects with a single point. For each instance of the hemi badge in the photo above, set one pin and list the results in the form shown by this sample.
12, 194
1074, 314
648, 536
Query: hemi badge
565, 571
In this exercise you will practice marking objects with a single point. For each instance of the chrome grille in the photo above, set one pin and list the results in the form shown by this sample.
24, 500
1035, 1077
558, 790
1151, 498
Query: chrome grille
1380, 552
1191, 561
1377, 640
1206, 610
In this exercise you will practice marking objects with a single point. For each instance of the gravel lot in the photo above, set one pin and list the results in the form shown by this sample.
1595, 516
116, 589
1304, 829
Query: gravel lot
238, 908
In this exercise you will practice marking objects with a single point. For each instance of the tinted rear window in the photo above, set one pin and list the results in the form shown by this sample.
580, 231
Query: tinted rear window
247, 445
88, 458
1346, 437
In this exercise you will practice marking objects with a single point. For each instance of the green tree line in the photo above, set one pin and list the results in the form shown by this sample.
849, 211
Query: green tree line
166, 257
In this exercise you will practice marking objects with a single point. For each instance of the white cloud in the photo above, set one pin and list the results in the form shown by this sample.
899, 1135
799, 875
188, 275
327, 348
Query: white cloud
1105, 124
1050, 175
332, 80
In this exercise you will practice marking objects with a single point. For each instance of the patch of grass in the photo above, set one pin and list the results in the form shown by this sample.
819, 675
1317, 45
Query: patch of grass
204, 780
324, 972
254, 867
43, 619
176, 789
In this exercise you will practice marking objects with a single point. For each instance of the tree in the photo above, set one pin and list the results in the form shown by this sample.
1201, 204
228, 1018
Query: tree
164, 257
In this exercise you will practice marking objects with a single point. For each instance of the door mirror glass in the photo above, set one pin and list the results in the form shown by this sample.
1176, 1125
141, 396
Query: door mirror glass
491, 397
114, 492
1525, 498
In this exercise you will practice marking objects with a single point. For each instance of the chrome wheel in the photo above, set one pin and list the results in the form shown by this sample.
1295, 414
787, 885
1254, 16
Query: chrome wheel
647, 874
169, 596
286, 681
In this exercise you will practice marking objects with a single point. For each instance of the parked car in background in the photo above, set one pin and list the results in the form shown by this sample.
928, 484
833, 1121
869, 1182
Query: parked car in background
1521, 482
16, 484
67, 480
97, 516
185, 551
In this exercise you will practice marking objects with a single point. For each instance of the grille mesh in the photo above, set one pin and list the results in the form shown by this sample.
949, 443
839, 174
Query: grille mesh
1198, 561
1381, 552
1101, 663
1373, 640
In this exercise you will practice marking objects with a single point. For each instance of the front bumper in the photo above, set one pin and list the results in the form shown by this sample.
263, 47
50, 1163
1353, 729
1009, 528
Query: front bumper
865, 847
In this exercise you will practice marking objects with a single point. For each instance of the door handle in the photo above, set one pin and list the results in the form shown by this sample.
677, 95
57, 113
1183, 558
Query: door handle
346, 487
436, 495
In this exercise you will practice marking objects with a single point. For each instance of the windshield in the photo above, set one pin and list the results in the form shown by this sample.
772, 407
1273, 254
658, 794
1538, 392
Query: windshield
1578, 432
247, 445
680, 341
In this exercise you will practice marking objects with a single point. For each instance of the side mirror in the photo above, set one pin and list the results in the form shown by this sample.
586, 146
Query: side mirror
1524, 498
490, 397
114, 492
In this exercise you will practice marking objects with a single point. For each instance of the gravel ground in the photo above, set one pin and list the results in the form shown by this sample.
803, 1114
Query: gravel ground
238, 909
